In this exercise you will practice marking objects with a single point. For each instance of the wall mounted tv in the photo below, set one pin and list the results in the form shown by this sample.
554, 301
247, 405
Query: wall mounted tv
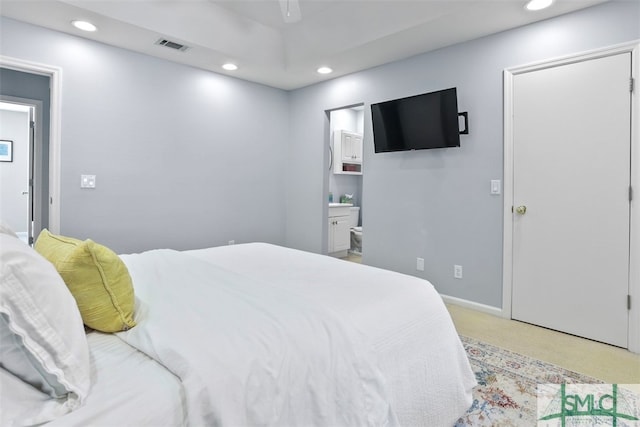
418, 122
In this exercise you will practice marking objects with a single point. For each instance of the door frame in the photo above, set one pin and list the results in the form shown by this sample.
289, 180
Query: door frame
634, 268
55, 79
328, 171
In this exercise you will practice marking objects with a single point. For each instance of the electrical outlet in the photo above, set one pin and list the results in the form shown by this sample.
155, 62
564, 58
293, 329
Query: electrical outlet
87, 181
420, 264
457, 271
232, 242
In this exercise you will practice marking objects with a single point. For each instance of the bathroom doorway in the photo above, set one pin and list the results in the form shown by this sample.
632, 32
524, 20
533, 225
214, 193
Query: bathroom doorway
21, 136
345, 169
38, 85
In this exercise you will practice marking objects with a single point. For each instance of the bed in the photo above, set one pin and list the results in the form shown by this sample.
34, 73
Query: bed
249, 334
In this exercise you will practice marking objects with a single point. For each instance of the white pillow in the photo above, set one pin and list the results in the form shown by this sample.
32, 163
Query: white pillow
43, 338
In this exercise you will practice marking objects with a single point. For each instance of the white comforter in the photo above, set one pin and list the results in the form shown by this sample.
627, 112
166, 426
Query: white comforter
418, 351
249, 353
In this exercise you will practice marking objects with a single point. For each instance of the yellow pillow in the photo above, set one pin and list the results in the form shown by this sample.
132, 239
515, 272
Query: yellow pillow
96, 277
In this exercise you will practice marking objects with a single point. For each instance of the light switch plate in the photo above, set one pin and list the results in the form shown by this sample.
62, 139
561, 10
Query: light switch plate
495, 186
87, 181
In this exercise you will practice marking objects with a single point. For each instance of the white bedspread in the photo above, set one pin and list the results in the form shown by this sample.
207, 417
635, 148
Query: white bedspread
249, 353
418, 351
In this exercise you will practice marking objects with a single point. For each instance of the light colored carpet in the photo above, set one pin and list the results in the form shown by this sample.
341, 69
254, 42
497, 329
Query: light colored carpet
607, 363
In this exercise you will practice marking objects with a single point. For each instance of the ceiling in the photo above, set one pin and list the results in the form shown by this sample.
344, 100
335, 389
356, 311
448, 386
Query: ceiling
346, 35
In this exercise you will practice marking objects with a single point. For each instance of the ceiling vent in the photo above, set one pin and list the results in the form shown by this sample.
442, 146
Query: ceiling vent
172, 45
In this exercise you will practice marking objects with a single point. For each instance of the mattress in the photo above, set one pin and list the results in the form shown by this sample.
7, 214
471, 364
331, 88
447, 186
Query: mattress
404, 319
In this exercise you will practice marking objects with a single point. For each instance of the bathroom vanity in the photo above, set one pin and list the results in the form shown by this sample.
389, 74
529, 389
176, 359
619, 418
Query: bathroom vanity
339, 229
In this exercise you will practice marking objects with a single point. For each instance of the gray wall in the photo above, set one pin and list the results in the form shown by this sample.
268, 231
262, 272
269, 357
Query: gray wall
33, 87
184, 158
435, 204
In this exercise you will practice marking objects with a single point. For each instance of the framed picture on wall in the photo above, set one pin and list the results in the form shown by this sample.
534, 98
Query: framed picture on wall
6, 150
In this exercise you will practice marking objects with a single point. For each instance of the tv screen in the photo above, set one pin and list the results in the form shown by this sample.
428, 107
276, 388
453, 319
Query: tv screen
429, 120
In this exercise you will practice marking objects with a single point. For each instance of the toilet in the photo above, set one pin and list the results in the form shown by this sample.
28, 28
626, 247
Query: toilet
356, 231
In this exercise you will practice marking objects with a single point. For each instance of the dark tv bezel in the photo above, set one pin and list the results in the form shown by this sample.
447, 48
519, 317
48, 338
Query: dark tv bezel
389, 149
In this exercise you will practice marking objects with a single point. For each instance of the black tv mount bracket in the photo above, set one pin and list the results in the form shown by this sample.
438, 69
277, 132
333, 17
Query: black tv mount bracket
465, 131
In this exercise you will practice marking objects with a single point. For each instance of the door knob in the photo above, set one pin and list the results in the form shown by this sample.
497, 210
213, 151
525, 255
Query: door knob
24, 193
521, 210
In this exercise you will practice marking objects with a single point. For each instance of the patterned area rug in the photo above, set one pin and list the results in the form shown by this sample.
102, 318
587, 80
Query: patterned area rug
507, 381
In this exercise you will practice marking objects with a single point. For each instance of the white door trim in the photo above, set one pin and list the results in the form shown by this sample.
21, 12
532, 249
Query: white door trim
55, 75
507, 258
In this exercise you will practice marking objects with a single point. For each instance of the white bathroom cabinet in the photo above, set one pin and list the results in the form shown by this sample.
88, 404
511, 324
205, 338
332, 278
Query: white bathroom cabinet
347, 147
339, 230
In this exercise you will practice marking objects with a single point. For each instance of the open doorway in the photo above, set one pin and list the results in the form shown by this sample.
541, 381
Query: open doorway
17, 133
346, 128
38, 86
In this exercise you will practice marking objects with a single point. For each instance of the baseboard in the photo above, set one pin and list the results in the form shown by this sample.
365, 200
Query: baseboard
339, 254
473, 305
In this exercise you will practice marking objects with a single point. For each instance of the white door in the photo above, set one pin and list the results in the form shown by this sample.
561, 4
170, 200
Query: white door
15, 192
571, 163
331, 245
357, 147
351, 147
347, 146
342, 234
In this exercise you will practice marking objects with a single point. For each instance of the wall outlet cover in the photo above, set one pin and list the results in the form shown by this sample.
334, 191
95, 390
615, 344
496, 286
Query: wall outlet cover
457, 271
495, 186
87, 181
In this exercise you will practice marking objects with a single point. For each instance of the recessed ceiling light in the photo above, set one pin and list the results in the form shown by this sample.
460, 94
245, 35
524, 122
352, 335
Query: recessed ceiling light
230, 67
324, 70
538, 4
84, 25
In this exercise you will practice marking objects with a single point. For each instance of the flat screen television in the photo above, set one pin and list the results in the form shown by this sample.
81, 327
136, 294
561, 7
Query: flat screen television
428, 120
